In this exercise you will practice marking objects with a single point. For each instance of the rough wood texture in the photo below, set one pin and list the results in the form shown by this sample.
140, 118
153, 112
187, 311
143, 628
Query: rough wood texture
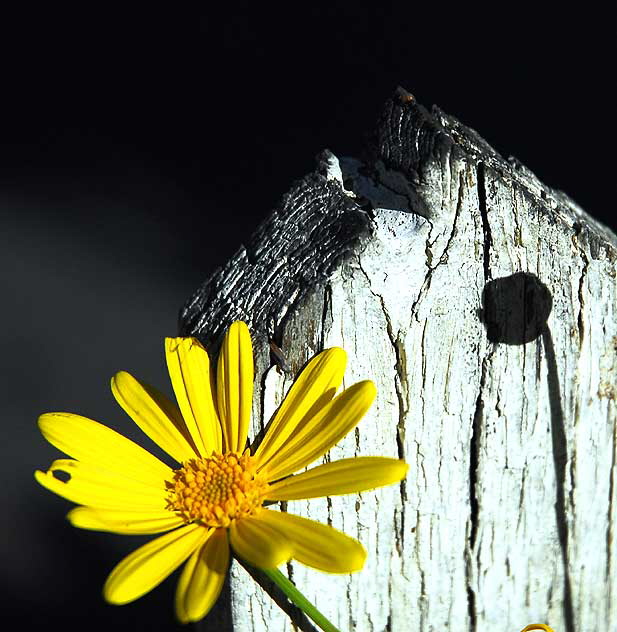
499, 388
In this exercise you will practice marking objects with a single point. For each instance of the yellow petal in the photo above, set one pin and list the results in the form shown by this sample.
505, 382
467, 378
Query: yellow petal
313, 389
317, 545
88, 440
258, 543
150, 564
340, 477
235, 386
95, 487
159, 418
189, 370
202, 578
321, 432
123, 521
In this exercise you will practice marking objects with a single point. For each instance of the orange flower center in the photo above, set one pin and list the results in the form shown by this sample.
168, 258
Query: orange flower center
217, 489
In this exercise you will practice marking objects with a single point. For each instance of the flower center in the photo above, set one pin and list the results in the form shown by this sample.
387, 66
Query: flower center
217, 489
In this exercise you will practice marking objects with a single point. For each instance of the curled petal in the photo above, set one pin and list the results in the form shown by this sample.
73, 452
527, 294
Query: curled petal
150, 564
202, 578
259, 543
317, 545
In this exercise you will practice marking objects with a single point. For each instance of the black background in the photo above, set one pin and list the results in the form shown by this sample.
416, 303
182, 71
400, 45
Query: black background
140, 148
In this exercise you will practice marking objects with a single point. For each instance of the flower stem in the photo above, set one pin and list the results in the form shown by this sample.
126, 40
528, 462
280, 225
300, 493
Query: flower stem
296, 597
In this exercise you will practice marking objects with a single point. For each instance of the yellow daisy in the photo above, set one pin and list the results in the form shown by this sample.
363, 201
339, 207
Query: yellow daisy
215, 499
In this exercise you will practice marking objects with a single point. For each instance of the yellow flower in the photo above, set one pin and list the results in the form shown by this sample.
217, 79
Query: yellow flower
215, 499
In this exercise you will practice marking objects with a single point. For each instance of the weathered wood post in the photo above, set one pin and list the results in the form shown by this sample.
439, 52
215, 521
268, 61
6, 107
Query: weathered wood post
484, 306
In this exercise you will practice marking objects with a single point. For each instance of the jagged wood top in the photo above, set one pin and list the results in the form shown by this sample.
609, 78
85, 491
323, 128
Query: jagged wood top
318, 222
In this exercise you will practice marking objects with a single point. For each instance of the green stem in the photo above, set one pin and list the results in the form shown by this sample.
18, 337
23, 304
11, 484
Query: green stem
296, 597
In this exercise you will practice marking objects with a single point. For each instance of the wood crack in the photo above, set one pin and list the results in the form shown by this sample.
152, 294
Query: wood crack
478, 418
443, 258
581, 283
609, 527
474, 503
400, 384
486, 226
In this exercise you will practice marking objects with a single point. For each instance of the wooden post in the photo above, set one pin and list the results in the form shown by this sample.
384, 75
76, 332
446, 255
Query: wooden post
484, 306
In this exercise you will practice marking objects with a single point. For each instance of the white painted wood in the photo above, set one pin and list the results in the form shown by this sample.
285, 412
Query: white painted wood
471, 541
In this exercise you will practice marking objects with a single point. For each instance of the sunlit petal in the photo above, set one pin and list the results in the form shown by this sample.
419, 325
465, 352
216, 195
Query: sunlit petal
189, 370
235, 386
88, 440
313, 389
95, 487
149, 565
159, 418
124, 521
340, 477
321, 432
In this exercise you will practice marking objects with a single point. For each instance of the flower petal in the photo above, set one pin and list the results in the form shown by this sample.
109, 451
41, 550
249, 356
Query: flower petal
317, 545
258, 543
314, 388
235, 386
340, 477
189, 369
159, 418
321, 432
123, 521
96, 487
88, 440
150, 564
202, 578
